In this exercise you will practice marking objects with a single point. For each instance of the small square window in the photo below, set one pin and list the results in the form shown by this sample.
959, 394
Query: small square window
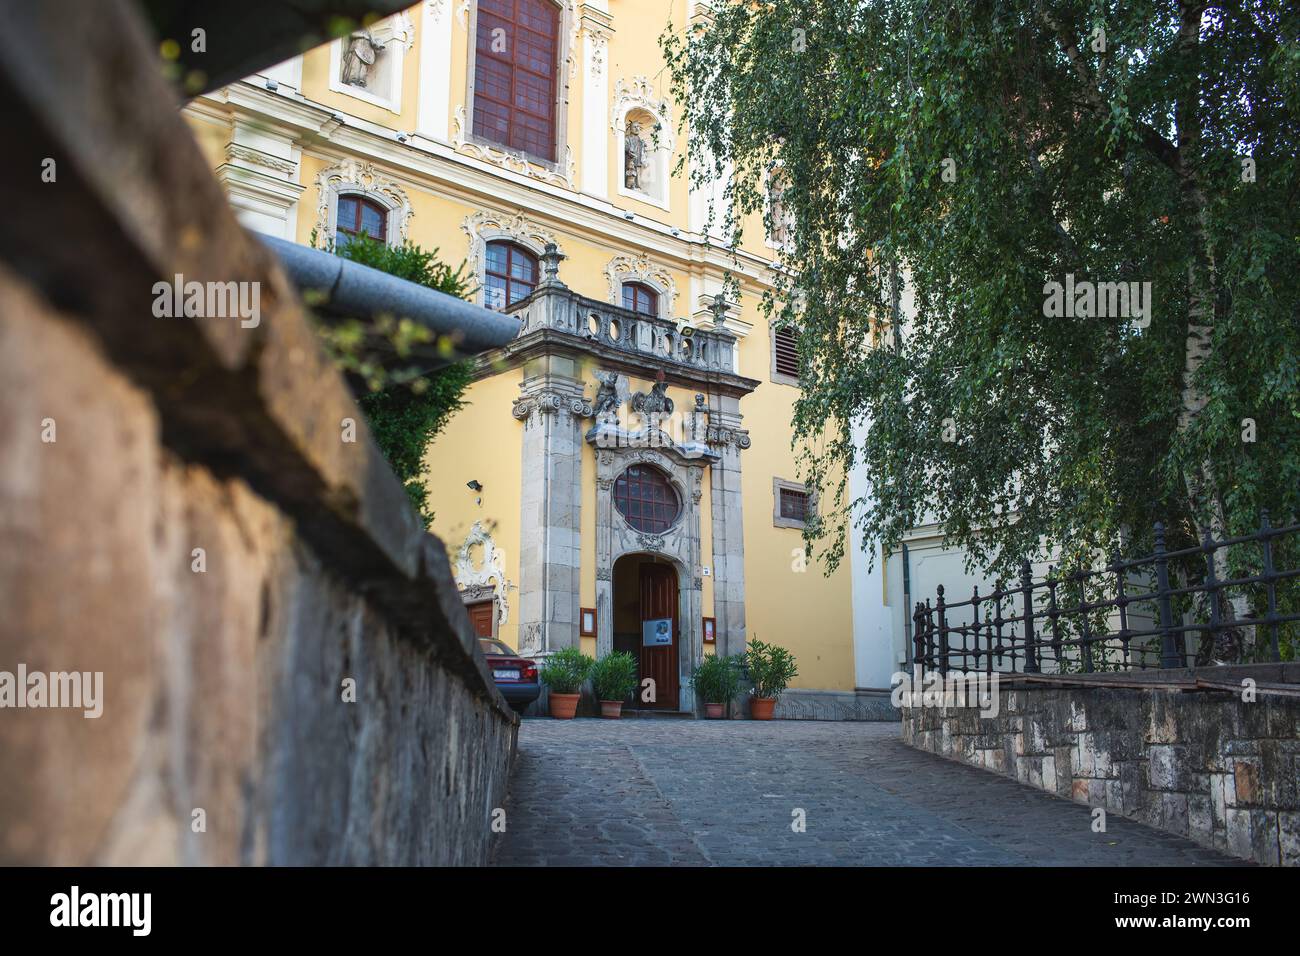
793, 504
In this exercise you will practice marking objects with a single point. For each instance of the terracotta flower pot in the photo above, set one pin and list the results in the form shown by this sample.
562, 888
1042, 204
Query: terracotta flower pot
713, 711
613, 709
760, 708
564, 706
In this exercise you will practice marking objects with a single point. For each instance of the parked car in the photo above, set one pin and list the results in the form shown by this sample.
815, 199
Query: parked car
516, 676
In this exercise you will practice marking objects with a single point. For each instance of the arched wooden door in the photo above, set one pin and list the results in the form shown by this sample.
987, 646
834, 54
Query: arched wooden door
659, 600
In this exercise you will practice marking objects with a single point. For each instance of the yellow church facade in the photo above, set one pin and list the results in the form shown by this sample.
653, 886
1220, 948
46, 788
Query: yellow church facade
628, 456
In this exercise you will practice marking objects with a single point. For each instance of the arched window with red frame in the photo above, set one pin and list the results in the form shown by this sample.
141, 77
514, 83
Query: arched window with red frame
510, 274
639, 297
359, 216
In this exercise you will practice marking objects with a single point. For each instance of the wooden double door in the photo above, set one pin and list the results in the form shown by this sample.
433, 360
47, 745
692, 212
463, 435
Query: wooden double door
659, 601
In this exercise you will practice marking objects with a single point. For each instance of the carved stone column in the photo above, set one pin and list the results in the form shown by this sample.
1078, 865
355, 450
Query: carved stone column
552, 409
727, 438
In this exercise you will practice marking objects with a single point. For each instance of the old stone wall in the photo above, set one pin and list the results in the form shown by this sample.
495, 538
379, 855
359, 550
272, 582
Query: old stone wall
225, 621
1201, 764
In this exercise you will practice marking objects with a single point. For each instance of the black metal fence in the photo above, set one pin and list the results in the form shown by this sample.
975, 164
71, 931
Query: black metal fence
1221, 601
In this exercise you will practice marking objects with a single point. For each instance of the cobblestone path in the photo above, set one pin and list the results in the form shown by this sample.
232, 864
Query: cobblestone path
698, 793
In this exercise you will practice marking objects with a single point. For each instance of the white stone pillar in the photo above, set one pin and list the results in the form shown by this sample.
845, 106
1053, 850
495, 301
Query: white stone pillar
433, 104
596, 140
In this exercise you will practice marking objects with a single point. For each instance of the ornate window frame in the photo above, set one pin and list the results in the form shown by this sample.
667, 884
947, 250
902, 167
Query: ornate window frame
639, 95
485, 580
674, 482
485, 226
561, 171
624, 268
360, 178
398, 32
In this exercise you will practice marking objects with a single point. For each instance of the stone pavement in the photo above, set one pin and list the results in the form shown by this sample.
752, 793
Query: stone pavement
700, 793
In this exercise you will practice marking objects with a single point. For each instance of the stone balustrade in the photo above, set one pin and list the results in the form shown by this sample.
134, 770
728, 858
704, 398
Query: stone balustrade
556, 307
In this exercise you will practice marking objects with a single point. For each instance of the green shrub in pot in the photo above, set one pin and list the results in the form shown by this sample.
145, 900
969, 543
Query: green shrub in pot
613, 677
717, 679
564, 672
771, 668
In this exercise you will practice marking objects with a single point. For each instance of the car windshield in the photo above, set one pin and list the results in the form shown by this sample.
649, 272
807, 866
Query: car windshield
496, 648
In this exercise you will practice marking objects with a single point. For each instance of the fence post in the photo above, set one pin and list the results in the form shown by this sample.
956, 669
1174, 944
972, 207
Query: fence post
1121, 602
1265, 530
943, 633
1169, 656
1054, 615
1027, 599
919, 638
1211, 587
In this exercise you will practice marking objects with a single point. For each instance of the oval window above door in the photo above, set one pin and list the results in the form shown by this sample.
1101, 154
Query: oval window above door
647, 499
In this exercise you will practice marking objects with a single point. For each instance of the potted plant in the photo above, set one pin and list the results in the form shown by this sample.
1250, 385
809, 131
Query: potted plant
770, 669
717, 681
613, 677
564, 672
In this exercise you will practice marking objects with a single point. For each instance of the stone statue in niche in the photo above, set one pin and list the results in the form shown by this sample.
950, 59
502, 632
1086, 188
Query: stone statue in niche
362, 52
635, 158
782, 216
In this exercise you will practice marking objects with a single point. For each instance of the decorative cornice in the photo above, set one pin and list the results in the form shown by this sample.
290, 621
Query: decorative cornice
257, 157
446, 172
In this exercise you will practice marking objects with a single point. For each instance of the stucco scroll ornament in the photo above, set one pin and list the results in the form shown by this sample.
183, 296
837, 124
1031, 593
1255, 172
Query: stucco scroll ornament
475, 577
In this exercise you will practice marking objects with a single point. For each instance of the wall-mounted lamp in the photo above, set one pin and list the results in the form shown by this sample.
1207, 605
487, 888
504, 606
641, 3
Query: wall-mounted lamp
474, 485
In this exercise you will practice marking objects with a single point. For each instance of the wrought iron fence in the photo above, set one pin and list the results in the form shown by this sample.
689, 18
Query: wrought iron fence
1129, 614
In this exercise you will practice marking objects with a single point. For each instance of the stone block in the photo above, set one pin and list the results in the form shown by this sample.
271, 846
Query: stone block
1164, 769
1048, 764
1222, 794
1200, 818
1173, 813
1264, 837
1289, 837
1078, 716
1246, 780
1238, 828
